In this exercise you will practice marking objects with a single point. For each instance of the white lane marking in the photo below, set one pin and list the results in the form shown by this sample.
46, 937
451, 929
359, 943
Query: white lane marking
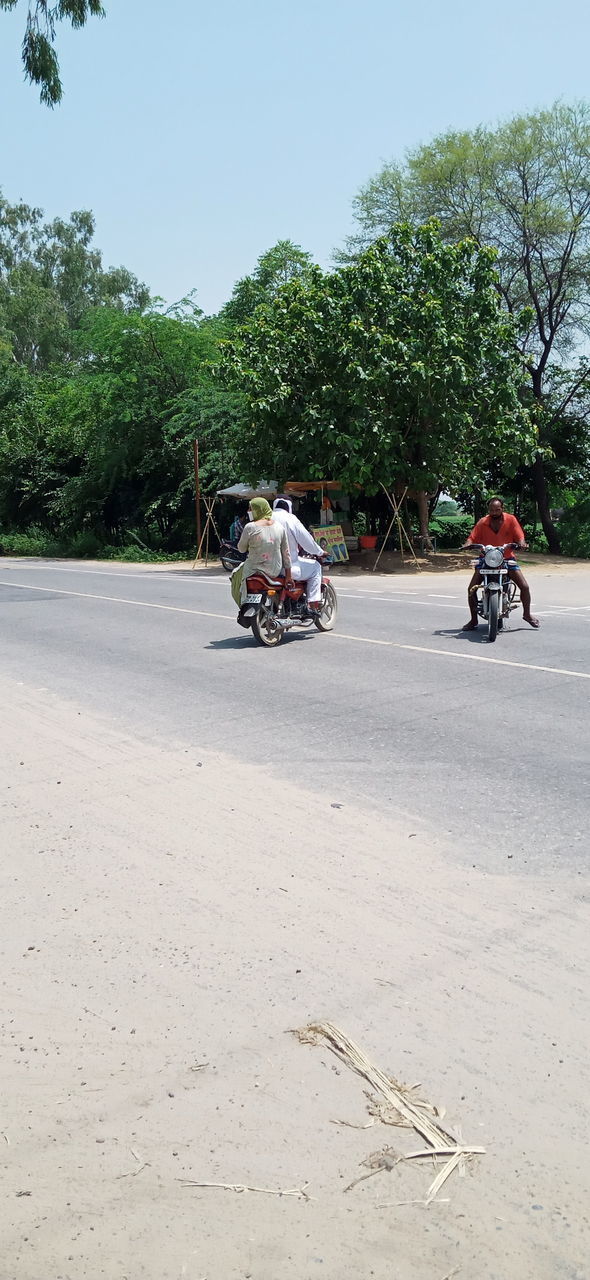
440, 595
221, 581
389, 644
430, 603
141, 604
395, 596
468, 657
110, 573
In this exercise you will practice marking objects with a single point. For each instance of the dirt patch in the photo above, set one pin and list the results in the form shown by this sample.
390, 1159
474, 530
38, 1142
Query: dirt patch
360, 562
448, 562
160, 940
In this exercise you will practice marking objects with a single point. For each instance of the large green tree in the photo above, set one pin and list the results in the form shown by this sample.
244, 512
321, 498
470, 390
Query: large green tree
51, 274
88, 446
523, 188
400, 368
39, 55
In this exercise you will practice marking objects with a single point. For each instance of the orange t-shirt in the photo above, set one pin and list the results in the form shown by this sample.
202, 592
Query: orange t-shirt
509, 531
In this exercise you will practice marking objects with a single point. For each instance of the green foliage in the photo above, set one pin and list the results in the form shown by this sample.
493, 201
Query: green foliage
38, 48
51, 275
450, 530
538, 542
523, 188
217, 418
132, 370
29, 542
101, 449
83, 546
284, 262
400, 367
574, 528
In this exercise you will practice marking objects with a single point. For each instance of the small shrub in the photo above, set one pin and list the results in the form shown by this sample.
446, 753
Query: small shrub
538, 542
136, 555
85, 546
450, 530
29, 542
574, 530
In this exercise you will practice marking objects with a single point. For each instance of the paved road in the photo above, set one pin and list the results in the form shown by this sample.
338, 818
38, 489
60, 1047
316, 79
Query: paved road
177, 891
398, 707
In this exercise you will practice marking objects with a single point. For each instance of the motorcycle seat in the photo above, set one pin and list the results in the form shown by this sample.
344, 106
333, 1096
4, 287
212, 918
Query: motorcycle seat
273, 582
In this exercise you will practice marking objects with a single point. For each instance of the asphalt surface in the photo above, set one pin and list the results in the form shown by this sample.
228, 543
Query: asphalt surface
489, 745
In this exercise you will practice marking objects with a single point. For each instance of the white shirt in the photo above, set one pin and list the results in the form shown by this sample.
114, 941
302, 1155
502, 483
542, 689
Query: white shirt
297, 535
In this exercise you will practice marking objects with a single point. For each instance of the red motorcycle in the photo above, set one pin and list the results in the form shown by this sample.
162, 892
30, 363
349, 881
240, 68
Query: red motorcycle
271, 608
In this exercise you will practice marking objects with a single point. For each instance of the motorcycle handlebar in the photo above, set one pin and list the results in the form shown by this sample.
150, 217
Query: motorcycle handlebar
481, 546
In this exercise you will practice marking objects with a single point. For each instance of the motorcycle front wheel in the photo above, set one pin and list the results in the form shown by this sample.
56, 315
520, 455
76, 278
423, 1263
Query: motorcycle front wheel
265, 629
493, 603
326, 616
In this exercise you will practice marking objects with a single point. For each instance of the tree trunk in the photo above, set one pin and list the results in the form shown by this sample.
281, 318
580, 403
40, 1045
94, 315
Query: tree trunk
424, 515
540, 480
542, 500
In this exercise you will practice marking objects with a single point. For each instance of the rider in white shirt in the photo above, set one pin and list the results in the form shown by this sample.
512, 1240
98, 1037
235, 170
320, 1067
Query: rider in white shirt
298, 536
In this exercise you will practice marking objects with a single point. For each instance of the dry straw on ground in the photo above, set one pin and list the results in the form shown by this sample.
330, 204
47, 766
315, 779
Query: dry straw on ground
400, 1106
300, 1193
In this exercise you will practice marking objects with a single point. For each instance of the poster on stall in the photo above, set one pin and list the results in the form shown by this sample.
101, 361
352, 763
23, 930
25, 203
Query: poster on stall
331, 540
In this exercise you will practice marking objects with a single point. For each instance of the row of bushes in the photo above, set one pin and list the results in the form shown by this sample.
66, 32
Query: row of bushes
449, 530
83, 546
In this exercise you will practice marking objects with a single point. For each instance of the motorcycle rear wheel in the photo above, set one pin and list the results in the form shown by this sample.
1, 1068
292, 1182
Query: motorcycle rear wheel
265, 630
326, 616
493, 603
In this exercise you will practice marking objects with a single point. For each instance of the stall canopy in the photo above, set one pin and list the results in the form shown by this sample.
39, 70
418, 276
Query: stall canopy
265, 489
310, 486
269, 488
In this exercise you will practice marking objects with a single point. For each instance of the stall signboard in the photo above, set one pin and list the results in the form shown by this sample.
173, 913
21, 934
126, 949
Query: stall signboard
331, 539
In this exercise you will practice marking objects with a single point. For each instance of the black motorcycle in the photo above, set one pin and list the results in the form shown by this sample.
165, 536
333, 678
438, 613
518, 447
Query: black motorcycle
496, 591
230, 556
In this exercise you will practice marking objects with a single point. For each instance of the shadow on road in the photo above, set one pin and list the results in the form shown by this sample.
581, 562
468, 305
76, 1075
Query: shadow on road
472, 637
248, 641
480, 636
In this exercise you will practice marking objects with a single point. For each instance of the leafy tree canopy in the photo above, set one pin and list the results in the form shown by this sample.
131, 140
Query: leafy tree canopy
523, 188
400, 367
51, 274
39, 56
85, 446
285, 261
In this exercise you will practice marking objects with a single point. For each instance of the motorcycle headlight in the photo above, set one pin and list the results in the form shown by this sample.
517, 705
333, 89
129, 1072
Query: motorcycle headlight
493, 558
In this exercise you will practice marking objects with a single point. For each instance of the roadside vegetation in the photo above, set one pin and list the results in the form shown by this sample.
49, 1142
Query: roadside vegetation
444, 353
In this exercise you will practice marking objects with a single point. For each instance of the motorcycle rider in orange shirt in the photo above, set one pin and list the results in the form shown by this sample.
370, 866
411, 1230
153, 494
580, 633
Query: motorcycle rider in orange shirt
495, 530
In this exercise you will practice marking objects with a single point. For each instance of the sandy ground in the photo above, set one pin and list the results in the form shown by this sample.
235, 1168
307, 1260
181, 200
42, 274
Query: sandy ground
390, 564
167, 910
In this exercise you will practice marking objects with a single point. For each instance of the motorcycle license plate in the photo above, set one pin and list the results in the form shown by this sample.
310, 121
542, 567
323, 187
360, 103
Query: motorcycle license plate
253, 599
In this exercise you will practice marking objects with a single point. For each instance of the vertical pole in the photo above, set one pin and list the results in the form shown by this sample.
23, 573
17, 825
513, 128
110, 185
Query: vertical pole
197, 493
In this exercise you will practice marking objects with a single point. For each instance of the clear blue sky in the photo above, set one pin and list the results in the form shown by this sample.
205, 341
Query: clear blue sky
200, 134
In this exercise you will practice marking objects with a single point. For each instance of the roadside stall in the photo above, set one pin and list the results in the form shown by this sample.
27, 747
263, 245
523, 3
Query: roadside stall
322, 506
325, 508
